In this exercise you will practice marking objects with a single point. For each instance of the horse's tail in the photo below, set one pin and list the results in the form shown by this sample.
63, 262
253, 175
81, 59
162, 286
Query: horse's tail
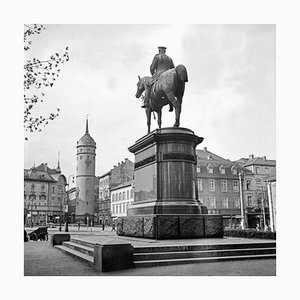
182, 73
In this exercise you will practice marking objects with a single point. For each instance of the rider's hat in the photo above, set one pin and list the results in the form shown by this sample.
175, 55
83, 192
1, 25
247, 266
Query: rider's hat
162, 48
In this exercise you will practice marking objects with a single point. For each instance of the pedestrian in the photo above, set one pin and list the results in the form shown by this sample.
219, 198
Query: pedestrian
78, 225
103, 226
113, 226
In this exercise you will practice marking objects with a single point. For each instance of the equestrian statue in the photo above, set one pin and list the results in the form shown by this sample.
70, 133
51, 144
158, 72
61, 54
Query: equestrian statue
165, 87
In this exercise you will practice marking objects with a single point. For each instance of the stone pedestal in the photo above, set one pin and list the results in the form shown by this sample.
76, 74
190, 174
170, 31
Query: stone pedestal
166, 201
165, 180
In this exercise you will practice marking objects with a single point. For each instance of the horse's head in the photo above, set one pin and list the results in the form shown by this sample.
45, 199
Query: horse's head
140, 87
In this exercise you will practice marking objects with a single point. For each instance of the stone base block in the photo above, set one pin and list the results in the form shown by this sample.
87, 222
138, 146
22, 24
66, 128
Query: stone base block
171, 226
213, 226
58, 238
112, 257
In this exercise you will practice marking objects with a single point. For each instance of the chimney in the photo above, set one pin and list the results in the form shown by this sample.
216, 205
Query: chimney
205, 149
251, 156
264, 157
45, 167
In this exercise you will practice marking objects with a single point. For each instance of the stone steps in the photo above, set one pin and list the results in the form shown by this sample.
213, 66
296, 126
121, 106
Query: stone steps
202, 254
77, 254
171, 255
151, 263
180, 248
178, 254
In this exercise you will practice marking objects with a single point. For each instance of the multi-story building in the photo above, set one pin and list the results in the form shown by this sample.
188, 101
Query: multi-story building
104, 198
221, 188
44, 195
118, 175
122, 197
257, 205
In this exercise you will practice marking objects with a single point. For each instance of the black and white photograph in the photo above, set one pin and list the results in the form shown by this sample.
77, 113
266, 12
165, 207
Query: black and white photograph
150, 149
163, 140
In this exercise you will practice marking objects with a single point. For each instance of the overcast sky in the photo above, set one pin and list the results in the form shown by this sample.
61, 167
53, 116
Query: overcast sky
229, 99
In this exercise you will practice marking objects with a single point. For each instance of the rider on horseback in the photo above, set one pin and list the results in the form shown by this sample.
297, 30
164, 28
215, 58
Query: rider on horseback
161, 63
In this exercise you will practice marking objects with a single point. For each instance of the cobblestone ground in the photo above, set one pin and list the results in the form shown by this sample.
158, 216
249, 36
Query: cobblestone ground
41, 259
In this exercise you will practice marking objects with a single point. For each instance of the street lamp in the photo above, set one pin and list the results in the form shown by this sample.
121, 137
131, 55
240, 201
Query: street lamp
67, 213
60, 216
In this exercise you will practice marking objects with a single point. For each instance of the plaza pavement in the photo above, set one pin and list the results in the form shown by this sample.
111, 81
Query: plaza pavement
41, 259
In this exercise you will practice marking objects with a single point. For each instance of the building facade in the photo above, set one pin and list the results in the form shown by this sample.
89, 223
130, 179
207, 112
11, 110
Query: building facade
118, 175
221, 188
45, 195
257, 204
104, 198
85, 178
122, 197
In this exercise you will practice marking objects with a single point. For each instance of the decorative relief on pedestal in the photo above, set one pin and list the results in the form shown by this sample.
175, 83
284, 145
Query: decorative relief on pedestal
149, 227
133, 226
167, 227
213, 226
191, 227
119, 226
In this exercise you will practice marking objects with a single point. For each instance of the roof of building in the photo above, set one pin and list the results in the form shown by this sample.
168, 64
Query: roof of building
105, 174
86, 139
256, 161
39, 173
122, 185
271, 176
207, 157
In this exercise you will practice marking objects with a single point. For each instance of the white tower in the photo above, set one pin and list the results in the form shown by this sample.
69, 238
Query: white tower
85, 177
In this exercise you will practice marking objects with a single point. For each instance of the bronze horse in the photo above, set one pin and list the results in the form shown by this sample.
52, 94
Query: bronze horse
167, 90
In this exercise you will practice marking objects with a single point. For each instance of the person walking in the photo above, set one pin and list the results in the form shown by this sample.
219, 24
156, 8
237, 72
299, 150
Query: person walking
113, 226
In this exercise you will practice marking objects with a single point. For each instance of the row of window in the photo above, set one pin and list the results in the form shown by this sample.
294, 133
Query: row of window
103, 194
119, 196
212, 185
222, 170
33, 197
120, 208
224, 203
43, 188
87, 150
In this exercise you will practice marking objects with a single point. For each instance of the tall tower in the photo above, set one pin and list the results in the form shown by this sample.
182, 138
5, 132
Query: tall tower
85, 177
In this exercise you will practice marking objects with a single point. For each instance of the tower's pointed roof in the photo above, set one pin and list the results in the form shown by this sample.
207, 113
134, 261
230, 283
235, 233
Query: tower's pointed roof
86, 139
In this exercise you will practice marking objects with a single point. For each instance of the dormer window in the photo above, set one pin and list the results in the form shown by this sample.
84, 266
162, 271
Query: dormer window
210, 169
234, 170
222, 169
